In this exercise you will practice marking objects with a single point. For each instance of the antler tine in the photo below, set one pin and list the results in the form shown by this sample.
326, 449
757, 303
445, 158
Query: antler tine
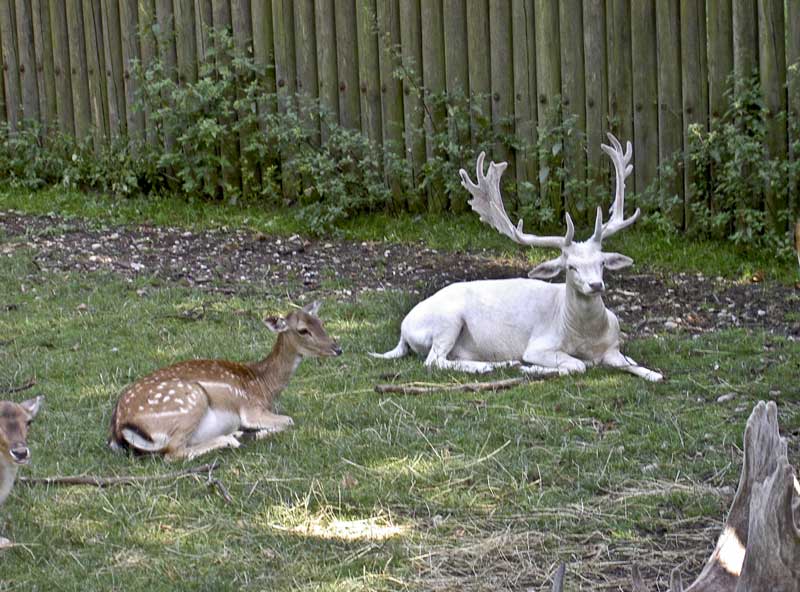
623, 169
488, 203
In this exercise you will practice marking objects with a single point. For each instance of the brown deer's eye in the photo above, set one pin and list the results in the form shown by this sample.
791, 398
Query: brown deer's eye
304, 331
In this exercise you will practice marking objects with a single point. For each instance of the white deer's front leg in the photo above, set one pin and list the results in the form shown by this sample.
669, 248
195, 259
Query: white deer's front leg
616, 359
548, 363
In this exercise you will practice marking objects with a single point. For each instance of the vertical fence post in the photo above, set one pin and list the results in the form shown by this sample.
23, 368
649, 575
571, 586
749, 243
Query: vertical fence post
285, 79
772, 66
129, 25
389, 59
27, 61
620, 77
95, 70
413, 115
670, 104
694, 77
327, 73
525, 116
434, 84
502, 84
79, 74
167, 52
114, 69
456, 79
573, 98
347, 63
479, 64
368, 70
720, 54
306, 51
186, 21
596, 77
241, 20
793, 86
43, 42
645, 93
548, 77
147, 44
264, 53
62, 68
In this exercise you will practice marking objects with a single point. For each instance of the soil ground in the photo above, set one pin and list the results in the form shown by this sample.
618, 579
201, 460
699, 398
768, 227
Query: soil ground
646, 300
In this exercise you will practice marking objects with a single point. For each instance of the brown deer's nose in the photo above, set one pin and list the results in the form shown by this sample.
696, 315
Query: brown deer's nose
337, 351
20, 454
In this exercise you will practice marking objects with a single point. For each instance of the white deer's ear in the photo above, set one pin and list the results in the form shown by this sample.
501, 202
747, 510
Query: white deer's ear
32, 405
547, 270
615, 261
276, 324
312, 308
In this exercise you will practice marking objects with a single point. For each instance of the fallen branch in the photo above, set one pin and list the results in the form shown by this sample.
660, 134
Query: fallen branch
418, 388
123, 480
18, 389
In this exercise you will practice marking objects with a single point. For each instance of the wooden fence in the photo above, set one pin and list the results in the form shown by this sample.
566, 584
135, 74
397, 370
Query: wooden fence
644, 69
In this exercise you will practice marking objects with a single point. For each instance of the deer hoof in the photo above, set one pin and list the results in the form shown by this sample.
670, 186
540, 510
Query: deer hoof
654, 376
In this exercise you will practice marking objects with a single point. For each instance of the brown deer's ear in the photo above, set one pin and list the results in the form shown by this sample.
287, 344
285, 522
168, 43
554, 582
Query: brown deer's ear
312, 308
276, 324
32, 405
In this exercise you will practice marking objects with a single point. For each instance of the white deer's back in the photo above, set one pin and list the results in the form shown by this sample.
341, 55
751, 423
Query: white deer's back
498, 317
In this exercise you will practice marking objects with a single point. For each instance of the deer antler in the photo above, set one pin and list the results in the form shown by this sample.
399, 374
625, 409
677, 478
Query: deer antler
488, 203
623, 169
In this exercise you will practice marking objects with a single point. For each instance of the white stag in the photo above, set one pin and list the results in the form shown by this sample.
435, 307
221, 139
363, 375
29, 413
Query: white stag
548, 328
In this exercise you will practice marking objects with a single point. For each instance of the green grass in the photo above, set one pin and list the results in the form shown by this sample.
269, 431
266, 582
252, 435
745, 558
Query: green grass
367, 492
448, 232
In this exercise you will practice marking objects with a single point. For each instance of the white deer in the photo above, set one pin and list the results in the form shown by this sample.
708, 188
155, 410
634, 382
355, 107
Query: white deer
548, 328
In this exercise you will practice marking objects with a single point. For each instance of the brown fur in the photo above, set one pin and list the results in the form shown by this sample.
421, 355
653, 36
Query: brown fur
15, 418
195, 406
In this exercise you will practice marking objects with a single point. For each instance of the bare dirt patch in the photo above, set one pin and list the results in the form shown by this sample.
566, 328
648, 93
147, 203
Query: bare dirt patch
237, 261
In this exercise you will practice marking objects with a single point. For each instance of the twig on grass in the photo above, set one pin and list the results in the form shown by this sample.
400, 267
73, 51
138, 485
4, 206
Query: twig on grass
418, 388
122, 480
18, 389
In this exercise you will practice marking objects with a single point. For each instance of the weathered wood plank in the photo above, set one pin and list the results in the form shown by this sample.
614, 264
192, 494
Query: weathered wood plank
745, 38
596, 85
502, 84
620, 73
327, 72
27, 60
242, 23
645, 94
186, 21
479, 65
573, 101
306, 52
231, 172
369, 70
11, 83
548, 78
457, 78
433, 79
112, 49
413, 114
695, 96
793, 86
347, 63
148, 52
45, 66
62, 69
129, 25
670, 103
720, 54
79, 72
204, 15
263, 53
391, 89
167, 52
285, 79
3, 114
95, 70
772, 68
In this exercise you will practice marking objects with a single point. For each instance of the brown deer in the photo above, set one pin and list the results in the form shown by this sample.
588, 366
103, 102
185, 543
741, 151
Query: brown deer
15, 418
196, 406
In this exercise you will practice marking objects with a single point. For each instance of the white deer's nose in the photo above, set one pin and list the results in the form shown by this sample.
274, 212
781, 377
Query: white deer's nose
597, 286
